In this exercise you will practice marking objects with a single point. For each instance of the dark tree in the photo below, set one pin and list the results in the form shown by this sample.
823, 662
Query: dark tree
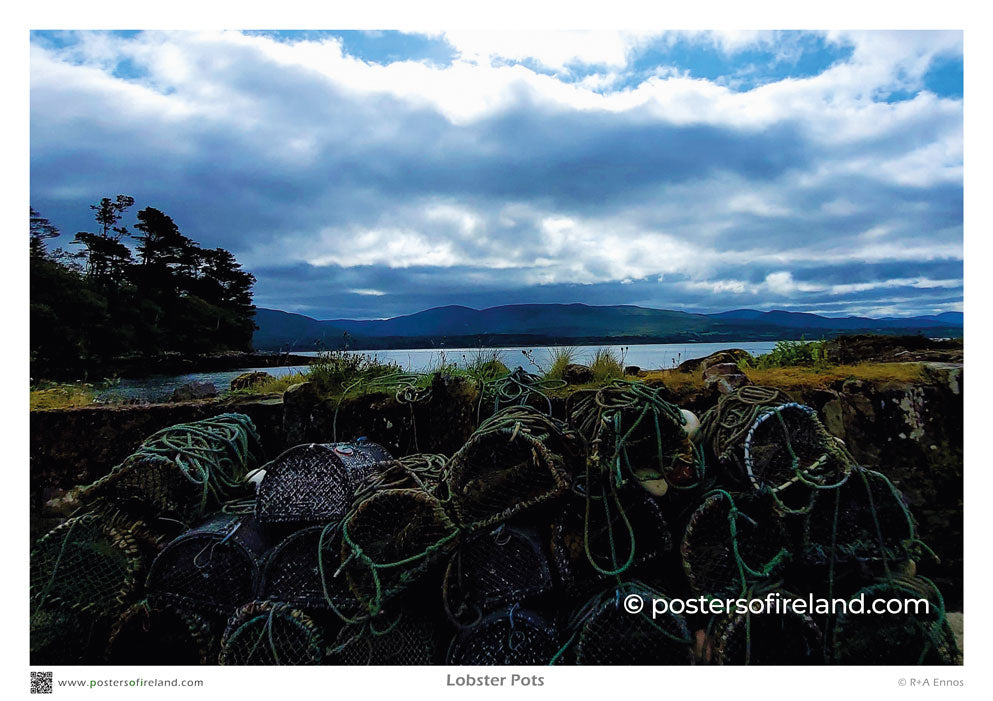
41, 230
109, 213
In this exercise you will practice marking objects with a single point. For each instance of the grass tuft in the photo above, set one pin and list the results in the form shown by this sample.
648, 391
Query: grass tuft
559, 359
607, 365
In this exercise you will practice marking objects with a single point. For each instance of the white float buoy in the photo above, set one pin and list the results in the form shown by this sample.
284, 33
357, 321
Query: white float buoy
692, 425
255, 477
655, 487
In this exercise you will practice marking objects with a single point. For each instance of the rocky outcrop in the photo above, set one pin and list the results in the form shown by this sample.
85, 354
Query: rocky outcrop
193, 390
575, 374
732, 355
846, 350
246, 380
725, 376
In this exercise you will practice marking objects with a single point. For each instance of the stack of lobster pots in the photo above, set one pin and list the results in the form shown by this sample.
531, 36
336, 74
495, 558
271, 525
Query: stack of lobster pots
590, 538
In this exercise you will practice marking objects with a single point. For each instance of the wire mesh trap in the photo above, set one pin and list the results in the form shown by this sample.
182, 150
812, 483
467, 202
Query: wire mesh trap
607, 634
315, 482
788, 446
63, 636
635, 434
492, 569
767, 638
599, 535
401, 639
511, 636
505, 468
723, 428
866, 519
917, 636
732, 542
271, 633
215, 567
295, 573
181, 472
390, 540
88, 564
164, 634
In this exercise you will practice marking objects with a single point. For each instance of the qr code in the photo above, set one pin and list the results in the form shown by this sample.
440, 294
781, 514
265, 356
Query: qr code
41, 682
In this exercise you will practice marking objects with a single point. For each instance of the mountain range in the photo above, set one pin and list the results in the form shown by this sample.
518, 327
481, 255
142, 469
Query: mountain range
571, 324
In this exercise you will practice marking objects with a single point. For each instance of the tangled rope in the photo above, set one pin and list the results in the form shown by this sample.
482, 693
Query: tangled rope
212, 454
515, 389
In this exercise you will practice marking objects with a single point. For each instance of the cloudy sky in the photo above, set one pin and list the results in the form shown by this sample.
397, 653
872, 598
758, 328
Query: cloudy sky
371, 174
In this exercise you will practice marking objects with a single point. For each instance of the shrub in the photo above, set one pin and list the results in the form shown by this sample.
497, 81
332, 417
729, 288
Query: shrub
790, 354
336, 370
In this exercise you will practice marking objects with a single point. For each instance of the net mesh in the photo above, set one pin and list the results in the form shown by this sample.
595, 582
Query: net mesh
610, 635
635, 434
88, 564
390, 540
732, 542
864, 519
494, 569
512, 636
62, 636
595, 537
155, 632
788, 446
315, 482
504, 469
214, 567
767, 638
905, 638
270, 633
293, 572
181, 472
398, 639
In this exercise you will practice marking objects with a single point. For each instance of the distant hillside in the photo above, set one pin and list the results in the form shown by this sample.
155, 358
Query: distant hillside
539, 324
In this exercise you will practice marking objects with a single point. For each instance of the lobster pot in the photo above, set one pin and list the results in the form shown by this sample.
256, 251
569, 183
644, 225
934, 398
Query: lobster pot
502, 470
511, 636
402, 639
731, 542
865, 520
270, 633
182, 472
213, 568
609, 635
609, 537
292, 573
63, 636
161, 634
315, 482
912, 637
391, 540
494, 569
788, 446
723, 428
87, 564
639, 432
768, 638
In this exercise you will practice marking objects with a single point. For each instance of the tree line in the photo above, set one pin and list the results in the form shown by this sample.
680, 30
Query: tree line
117, 292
